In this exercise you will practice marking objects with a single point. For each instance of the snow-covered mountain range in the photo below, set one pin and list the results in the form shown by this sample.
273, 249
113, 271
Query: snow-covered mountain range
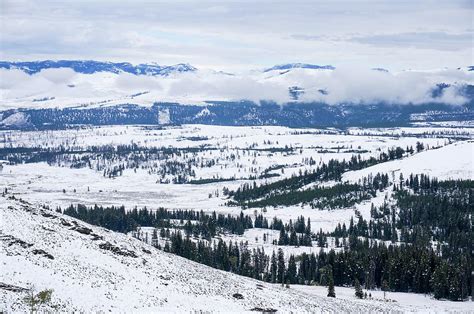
304, 94
290, 66
91, 67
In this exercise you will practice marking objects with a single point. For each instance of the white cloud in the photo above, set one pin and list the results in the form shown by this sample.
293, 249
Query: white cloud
423, 40
365, 86
344, 85
219, 86
58, 76
228, 35
129, 82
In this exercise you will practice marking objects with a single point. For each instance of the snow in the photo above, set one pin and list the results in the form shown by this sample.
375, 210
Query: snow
408, 302
468, 123
17, 119
44, 183
86, 278
62, 87
164, 116
454, 161
203, 113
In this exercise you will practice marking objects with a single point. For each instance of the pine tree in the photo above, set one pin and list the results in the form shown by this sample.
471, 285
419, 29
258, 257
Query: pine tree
293, 238
455, 284
154, 238
273, 268
384, 288
331, 291
358, 290
282, 240
440, 281
291, 273
281, 266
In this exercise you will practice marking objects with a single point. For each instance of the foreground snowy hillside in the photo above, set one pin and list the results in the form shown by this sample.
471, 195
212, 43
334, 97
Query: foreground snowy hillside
92, 269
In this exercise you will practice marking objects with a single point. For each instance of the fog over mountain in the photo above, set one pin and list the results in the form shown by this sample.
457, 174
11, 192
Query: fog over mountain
69, 83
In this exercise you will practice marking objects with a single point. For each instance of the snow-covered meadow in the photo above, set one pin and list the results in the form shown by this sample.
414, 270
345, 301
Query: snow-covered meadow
239, 152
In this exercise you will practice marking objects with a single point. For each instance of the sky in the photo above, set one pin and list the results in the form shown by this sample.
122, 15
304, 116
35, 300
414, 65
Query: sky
242, 35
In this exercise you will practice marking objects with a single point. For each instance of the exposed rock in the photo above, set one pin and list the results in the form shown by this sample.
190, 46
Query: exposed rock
96, 237
12, 288
82, 229
11, 240
48, 215
66, 223
116, 250
238, 296
42, 252
267, 310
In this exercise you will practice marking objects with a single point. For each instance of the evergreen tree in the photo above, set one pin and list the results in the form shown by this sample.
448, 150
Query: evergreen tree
273, 268
455, 293
358, 289
437, 211
331, 291
291, 272
440, 281
384, 288
281, 266
154, 238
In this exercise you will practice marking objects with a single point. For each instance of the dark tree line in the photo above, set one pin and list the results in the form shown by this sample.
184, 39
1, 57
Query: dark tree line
113, 160
332, 170
122, 220
297, 234
338, 196
405, 268
193, 223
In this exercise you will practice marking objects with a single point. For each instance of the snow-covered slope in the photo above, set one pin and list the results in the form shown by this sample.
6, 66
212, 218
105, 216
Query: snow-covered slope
18, 119
92, 269
454, 161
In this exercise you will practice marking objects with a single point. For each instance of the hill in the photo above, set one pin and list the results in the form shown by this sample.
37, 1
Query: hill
93, 269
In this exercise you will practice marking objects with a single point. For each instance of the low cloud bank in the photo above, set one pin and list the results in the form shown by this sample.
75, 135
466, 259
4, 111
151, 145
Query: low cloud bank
342, 85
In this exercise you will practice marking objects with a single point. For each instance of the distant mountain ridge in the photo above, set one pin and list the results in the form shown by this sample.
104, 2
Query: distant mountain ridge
153, 69
90, 67
289, 66
163, 96
243, 113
